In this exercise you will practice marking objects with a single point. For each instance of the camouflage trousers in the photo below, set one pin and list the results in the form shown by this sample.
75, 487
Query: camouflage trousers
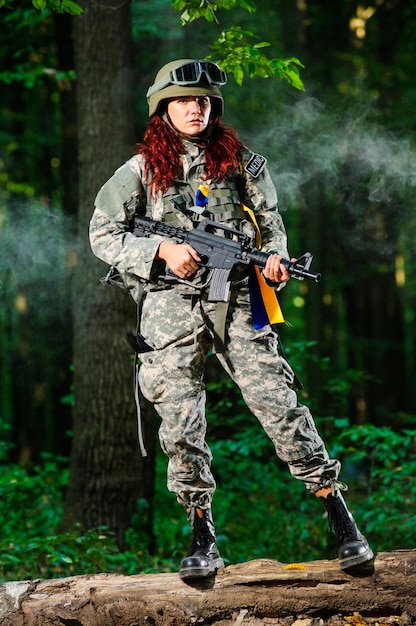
172, 378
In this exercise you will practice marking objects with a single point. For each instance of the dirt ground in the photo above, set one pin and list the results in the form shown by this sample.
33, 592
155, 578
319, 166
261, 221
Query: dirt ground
334, 620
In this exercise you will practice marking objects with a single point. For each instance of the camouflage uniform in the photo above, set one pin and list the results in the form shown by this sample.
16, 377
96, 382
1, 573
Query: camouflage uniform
178, 322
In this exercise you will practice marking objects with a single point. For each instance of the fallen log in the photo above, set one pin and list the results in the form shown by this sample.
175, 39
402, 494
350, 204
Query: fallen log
256, 592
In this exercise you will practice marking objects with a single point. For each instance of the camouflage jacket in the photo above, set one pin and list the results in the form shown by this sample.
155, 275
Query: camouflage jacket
127, 191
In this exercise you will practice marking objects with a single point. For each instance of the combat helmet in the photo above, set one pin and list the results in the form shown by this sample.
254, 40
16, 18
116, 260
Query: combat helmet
187, 77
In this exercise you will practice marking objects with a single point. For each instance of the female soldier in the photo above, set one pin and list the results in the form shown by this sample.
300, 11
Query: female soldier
191, 167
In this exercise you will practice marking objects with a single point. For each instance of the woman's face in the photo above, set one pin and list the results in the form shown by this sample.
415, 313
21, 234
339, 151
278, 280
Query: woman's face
190, 114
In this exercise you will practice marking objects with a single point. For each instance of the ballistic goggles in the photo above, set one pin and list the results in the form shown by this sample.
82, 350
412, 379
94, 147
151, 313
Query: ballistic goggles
189, 74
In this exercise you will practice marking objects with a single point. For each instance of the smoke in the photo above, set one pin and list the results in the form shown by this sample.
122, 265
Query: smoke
342, 163
36, 252
36, 262
329, 142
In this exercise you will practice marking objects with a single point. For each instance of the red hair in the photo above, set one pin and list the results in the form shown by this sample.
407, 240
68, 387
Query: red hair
162, 148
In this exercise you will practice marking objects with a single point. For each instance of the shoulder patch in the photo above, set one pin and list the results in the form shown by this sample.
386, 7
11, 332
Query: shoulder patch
255, 165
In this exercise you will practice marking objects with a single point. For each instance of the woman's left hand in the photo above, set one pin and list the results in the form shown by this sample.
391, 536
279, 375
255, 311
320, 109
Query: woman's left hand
274, 270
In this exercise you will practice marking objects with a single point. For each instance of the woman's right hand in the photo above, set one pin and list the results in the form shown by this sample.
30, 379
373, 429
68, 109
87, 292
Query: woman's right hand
181, 258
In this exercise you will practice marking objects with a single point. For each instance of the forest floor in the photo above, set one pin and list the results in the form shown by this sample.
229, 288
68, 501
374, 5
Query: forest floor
356, 619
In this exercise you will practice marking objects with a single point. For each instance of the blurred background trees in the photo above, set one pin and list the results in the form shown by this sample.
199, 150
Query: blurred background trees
342, 156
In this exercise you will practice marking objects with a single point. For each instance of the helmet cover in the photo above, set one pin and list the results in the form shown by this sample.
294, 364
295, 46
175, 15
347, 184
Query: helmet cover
163, 89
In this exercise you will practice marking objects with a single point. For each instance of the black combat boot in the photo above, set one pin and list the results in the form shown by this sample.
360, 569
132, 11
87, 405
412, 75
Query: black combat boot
353, 549
203, 558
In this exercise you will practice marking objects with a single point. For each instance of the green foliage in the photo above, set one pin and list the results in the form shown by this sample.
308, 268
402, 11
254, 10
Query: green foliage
27, 55
30, 501
382, 465
234, 47
194, 9
58, 6
31, 544
239, 56
29, 74
259, 509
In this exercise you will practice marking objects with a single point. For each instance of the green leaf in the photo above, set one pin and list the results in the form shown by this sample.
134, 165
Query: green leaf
238, 75
262, 44
185, 18
288, 70
69, 6
239, 56
249, 6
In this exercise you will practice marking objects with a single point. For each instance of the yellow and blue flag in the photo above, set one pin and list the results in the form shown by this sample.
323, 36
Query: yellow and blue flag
201, 196
265, 307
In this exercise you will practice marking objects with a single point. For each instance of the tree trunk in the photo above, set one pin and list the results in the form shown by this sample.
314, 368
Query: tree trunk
254, 593
107, 473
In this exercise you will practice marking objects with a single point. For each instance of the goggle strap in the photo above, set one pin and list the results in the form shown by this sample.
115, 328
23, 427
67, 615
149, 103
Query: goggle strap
167, 80
160, 84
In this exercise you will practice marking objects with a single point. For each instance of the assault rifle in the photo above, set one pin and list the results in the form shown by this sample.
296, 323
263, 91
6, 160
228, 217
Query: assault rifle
220, 253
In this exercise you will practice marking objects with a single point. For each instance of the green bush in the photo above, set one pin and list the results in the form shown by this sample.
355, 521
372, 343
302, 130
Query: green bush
384, 469
260, 511
31, 545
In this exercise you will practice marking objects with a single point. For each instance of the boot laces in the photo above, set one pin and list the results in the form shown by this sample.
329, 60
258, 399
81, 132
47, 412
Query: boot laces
340, 522
203, 537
